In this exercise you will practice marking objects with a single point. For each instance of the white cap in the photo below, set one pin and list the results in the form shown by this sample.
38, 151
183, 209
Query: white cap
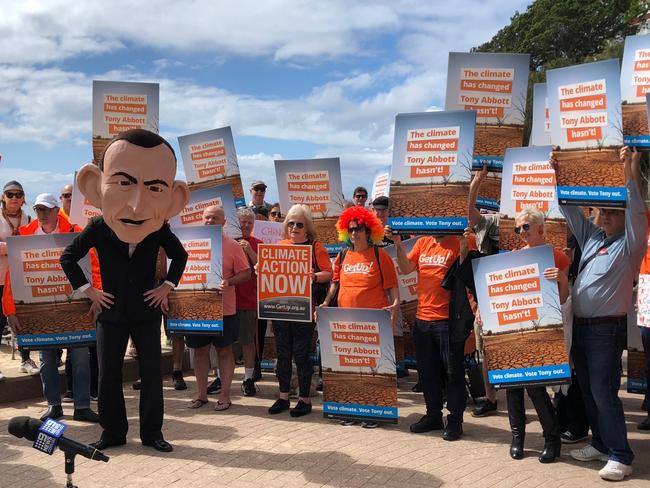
47, 200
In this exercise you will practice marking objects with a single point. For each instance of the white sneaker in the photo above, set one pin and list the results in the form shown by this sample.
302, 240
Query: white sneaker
615, 471
2, 376
29, 367
588, 453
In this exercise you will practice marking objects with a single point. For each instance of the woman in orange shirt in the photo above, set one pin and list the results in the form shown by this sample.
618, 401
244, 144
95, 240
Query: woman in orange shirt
529, 224
292, 339
364, 274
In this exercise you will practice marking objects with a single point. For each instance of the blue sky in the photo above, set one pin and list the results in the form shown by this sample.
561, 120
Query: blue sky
294, 79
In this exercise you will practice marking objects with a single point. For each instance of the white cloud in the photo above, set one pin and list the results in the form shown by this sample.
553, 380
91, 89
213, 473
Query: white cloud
53, 30
36, 181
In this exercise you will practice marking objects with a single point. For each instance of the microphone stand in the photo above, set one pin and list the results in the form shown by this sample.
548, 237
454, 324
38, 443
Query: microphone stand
69, 469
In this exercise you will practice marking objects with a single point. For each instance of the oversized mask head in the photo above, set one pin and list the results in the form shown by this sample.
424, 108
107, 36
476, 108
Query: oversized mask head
134, 184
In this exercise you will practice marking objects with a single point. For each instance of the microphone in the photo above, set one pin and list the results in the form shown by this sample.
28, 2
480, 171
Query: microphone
28, 428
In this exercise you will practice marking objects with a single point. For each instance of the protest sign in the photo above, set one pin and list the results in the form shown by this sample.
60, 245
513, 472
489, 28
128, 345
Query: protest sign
432, 167
358, 358
408, 302
529, 182
268, 232
50, 312
119, 106
496, 86
316, 183
637, 382
81, 211
584, 104
196, 305
284, 277
635, 87
523, 335
192, 214
210, 159
540, 134
380, 183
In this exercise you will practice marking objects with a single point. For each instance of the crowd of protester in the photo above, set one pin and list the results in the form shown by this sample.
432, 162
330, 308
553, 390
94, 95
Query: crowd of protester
595, 276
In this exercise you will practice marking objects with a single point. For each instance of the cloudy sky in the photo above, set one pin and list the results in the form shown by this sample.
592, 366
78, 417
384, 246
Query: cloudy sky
294, 79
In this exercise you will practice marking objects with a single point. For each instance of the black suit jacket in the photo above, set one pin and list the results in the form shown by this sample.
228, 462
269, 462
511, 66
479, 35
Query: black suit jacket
124, 277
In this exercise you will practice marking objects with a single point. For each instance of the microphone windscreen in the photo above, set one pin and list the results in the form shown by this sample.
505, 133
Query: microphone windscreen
26, 427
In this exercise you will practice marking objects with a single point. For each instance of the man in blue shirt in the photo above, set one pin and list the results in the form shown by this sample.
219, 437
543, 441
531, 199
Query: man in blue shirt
602, 296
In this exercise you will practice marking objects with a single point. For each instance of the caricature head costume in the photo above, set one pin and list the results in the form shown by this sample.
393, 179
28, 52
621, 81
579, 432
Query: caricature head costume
362, 216
134, 184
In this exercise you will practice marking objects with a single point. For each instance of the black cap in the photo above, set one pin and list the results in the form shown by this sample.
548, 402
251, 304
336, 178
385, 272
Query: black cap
380, 203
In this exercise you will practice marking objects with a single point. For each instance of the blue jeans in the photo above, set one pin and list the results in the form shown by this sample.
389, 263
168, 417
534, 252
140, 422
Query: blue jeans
596, 352
80, 377
440, 365
645, 336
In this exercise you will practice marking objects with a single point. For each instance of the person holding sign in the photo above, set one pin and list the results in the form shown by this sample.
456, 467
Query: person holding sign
12, 218
134, 187
436, 354
364, 274
529, 225
235, 271
50, 221
612, 252
292, 339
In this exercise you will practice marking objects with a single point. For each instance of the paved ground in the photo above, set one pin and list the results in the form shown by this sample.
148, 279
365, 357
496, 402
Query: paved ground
245, 447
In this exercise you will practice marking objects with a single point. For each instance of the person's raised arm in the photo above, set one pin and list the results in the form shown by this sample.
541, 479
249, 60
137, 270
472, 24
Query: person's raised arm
405, 265
636, 223
475, 185
581, 227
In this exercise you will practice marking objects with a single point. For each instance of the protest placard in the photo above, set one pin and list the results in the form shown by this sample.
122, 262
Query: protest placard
635, 87
284, 282
432, 167
637, 382
408, 302
584, 104
50, 312
380, 183
268, 232
210, 159
540, 134
192, 214
119, 106
529, 182
81, 211
523, 334
316, 183
196, 305
496, 86
358, 358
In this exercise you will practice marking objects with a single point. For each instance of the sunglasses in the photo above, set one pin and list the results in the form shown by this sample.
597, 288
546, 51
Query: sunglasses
14, 194
361, 228
297, 225
66, 195
360, 195
523, 227
259, 188
275, 214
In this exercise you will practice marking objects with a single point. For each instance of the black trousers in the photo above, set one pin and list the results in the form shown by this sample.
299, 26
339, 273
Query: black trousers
292, 341
261, 335
112, 339
543, 406
440, 365
571, 411
94, 371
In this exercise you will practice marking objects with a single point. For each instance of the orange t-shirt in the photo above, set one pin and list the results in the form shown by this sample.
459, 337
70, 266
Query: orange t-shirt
360, 279
432, 260
321, 257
